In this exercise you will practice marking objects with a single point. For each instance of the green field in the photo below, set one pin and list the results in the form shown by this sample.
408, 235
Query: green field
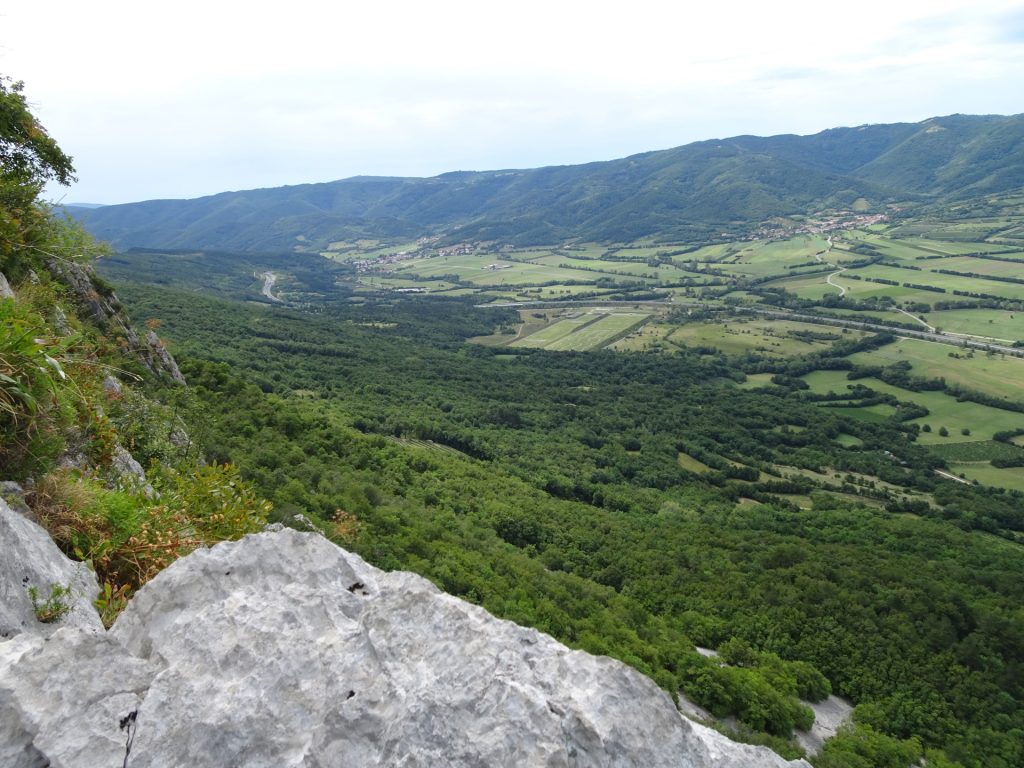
738, 336
944, 411
597, 334
640, 270
999, 324
997, 375
581, 331
979, 266
925, 277
986, 474
762, 258
690, 464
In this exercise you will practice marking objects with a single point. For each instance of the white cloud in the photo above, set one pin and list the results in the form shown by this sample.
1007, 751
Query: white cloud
193, 98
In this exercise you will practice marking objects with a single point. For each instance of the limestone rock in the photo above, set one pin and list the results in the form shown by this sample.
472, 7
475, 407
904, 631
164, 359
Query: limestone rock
112, 388
126, 472
14, 495
102, 306
284, 650
29, 558
5, 288
62, 700
163, 359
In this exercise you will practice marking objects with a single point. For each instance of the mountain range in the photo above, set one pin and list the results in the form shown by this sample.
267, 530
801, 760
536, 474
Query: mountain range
689, 192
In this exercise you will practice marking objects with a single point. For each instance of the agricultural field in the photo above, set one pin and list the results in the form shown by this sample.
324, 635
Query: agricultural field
997, 375
764, 258
986, 474
578, 331
597, 268
980, 421
737, 336
997, 324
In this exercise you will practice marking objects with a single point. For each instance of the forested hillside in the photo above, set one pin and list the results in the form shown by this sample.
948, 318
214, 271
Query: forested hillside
691, 192
550, 489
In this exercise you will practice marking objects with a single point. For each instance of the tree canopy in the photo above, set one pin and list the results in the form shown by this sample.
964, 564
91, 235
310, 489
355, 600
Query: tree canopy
28, 154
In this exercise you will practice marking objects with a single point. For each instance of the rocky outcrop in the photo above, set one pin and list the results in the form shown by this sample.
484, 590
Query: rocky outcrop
30, 559
97, 302
284, 650
5, 288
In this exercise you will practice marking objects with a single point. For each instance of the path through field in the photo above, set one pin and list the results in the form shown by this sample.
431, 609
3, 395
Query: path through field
839, 270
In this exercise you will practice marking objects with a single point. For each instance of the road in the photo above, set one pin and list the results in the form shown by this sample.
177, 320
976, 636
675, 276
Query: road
269, 278
904, 333
839, 270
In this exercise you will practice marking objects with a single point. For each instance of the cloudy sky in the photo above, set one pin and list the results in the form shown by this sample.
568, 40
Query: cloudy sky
191, 98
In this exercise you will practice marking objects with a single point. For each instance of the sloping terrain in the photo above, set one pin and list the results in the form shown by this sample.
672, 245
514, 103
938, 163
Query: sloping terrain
686, 192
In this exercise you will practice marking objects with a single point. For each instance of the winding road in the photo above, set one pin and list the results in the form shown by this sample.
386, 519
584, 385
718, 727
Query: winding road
839, 270
269, 278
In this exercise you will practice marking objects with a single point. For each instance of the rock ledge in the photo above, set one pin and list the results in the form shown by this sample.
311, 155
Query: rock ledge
283, 650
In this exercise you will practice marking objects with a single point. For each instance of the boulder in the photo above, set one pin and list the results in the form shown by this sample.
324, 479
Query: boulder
29, 558
284, 650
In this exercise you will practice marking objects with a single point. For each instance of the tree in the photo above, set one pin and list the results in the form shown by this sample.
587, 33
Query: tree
29, 157
28, 154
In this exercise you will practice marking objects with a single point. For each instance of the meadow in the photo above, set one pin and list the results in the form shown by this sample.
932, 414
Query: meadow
981, 421
580, 331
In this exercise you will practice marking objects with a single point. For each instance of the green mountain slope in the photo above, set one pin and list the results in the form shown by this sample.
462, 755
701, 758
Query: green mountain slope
688, 191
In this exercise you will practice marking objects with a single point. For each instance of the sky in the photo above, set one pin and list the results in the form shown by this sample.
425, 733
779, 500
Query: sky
184, 99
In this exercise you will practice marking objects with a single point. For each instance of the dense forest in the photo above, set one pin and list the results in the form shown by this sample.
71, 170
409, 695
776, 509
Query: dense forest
546, 487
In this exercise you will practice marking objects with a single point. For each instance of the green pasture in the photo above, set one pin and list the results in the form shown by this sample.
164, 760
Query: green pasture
994, 374
530, 254
547, 335
489, 270
949, 282
764, 257
953, 247
598, 333
557, 291
639, 270
376, 283
755, 380
737, 337
874, 414
849, 441
812, 287
986, 474
583, 250
943, 410
988, 323
979, 266
641, 253
527, 273
712, 253
649, 337
690, 464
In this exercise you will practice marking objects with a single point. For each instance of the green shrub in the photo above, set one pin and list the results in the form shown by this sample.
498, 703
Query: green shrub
52, 608
33, 391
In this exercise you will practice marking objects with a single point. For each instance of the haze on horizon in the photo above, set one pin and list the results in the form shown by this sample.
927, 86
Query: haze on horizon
194, 99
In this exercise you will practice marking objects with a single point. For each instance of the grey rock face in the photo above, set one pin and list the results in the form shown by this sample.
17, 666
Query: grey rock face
126, 472
162, 358
105, 309
29, 558
5, 288
284, 650
112, 387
